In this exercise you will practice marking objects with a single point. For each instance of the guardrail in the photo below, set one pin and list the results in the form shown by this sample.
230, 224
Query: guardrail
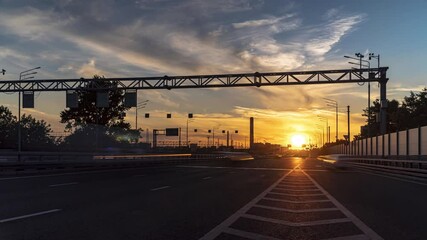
91, 162
412, 168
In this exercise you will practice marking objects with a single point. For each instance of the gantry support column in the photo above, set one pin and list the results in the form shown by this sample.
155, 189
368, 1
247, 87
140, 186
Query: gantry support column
384, 103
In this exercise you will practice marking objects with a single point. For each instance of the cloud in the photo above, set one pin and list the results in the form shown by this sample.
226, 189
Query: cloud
259, 22
326, 36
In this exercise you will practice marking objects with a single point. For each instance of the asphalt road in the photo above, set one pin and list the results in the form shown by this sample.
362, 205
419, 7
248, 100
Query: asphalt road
288, 198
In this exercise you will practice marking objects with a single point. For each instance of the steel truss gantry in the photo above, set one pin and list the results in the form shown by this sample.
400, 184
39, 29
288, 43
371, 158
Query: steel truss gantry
210, 81
201, 81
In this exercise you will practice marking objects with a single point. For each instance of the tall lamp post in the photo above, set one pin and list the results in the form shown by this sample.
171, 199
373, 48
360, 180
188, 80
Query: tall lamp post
140, 105
333, 103
25, 75
324, 119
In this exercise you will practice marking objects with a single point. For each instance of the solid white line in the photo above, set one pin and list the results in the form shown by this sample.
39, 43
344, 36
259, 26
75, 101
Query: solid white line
297, 211
296, 224
289, 201
353, 237
29, 215
248, 235
206, 178
63, 184
160, 188
297, 195
225, 224
365, 229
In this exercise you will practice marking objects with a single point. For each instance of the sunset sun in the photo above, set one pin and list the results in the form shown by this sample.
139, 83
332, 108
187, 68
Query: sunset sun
298, 140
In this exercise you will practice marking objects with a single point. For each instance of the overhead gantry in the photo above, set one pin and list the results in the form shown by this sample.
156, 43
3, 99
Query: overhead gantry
256, 79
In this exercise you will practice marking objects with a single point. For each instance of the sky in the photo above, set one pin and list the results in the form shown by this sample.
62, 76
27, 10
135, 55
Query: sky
73, 39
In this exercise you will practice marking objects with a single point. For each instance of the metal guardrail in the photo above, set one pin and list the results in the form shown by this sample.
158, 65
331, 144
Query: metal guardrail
412, 168
103, 162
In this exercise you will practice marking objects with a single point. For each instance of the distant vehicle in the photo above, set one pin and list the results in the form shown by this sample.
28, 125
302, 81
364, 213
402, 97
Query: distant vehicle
335, 160
238, 156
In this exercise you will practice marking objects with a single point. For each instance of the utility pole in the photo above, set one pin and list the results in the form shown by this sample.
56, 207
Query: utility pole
348, 129
333, 103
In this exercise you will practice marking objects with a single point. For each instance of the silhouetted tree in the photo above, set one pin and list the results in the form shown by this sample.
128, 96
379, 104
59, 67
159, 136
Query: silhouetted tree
411, 113
98, 127
88, 113
8, 129
34, 133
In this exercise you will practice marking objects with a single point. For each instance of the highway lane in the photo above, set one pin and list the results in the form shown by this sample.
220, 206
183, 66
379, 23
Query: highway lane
396, 209
187, 202
126, 204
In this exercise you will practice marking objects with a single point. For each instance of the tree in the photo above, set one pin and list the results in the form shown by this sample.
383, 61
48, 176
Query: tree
8, 131
416, 107
97, 127
411, 113
34, 133
88, 113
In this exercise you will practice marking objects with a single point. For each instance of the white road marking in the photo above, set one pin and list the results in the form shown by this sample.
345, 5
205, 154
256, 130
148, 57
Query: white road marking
160, 188
298, 189
296, 224
297, 211
365, 229
290, 201
206, 178
353, 237
297, 195
29, 215
63, 184
224, 225
248, 235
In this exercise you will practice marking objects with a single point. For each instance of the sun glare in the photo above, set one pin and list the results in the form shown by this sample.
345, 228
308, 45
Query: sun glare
298, 140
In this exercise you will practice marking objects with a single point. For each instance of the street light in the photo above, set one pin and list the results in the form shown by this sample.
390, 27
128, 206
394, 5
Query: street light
333, 103
359, 58
372, 55
140, 105
324, 119
25, 75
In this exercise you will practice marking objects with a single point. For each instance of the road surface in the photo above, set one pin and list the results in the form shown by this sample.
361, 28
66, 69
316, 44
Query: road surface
287, 198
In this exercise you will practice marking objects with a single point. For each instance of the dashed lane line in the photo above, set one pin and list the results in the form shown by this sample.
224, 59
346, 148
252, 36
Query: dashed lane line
159, 188
206, 178
29, 215
63, 184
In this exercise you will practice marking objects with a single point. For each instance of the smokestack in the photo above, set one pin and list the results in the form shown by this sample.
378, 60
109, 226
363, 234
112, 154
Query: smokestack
251, 133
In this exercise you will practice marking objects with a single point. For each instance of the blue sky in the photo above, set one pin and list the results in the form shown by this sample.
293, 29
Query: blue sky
71, 39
